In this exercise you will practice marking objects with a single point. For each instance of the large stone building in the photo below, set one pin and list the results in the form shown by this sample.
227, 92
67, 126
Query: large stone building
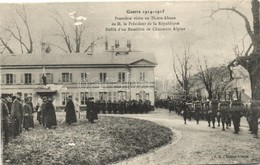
111, 75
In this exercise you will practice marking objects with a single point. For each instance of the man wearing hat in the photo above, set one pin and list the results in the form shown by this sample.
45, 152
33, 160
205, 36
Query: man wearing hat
70, 111
4, 119
44, 111
16, 114
31, 122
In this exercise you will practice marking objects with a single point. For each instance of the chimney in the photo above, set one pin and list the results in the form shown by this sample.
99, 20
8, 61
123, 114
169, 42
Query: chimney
128, 45
116, 44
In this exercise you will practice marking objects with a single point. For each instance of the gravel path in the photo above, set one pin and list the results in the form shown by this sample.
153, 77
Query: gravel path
198, 144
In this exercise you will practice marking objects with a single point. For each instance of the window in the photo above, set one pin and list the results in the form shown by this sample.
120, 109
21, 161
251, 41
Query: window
142, 76
121, 77
10, 79
114, 96
110, 96
102, 77
49, 78
84, 76
121, 95
83, 98
27, 78
66, 77
64, 98
142, 95
103, 96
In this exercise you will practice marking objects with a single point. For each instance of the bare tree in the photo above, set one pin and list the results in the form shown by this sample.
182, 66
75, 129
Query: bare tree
251, 62
213, 78
17, 35
182, 72
72, 35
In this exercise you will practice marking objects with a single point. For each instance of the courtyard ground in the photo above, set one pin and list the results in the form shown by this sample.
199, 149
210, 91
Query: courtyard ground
198, 143
108, 140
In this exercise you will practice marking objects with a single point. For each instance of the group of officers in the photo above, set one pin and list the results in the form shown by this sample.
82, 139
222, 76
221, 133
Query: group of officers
223, 112
15, 115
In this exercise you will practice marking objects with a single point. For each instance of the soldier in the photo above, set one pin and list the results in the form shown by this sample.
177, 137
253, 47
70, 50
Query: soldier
214, 109
185, 111
224, 113
27, 112
16, 114
103, 106
236, 114
31, 122
170, 105
109, 106
140, 106
255, 107
90, 110
197, 107
44, 111
207, 111
4, 120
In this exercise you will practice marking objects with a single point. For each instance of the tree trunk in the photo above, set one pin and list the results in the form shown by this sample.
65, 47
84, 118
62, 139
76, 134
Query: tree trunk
254, 73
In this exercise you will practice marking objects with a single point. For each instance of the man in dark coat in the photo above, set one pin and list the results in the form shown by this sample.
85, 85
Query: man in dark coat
31, 115
27, 112
4, 120
51, 120
70, 112
16, 115
214, 109
236, 113
44, 111
91, 110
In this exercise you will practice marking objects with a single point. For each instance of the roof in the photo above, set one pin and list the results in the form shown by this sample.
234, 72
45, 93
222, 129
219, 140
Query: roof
74, 58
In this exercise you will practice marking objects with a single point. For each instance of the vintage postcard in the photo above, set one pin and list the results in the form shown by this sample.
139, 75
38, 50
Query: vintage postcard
130, 82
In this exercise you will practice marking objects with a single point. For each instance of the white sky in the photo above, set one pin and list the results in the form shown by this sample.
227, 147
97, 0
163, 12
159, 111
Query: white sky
211, 38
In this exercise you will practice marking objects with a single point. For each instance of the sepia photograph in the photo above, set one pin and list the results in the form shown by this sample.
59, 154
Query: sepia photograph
130, 82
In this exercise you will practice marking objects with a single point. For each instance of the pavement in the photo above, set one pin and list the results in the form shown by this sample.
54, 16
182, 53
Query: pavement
197, 143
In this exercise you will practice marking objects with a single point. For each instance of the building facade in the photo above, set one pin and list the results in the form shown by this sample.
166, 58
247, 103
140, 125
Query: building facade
111, 75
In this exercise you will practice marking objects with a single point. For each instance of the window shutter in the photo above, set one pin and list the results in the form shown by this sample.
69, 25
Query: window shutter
119, 76
59, 79
123, 77
71, 77
82, 76
14, 78
3, 78
51, 77
22, 81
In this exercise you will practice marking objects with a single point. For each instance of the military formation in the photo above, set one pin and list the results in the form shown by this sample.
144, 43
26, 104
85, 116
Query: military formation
216, 112
121, 106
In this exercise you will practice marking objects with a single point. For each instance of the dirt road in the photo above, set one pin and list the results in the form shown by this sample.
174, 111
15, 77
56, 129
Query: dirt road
198, 144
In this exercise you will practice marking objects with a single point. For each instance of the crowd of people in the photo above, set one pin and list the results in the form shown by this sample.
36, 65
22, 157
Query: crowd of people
215, 111
17, 114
